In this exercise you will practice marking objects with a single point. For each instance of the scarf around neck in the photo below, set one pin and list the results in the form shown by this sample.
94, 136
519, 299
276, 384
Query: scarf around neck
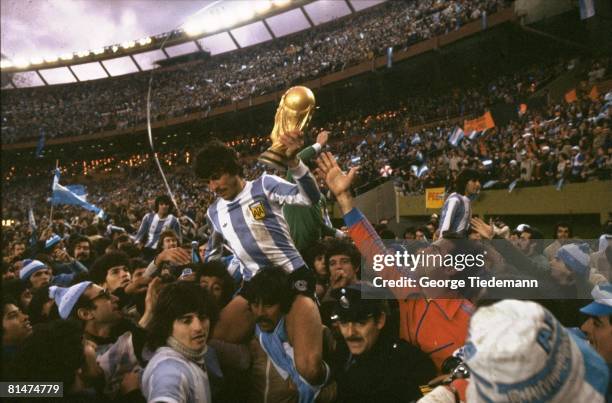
196, 356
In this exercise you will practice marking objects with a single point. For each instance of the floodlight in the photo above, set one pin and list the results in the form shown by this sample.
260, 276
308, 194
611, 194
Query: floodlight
83, 53
50, 59
5, 64
21, 63
98, 51
281, 3
128, 44
261, 6
36, 60
67, 56
193, 28
144, 41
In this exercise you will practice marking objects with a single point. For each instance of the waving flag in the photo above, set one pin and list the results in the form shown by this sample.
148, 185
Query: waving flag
455, 137
422, 170
73, 195
33, 227
489, 184
512, 185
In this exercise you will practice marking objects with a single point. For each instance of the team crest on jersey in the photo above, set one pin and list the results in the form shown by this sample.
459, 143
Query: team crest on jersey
258, 210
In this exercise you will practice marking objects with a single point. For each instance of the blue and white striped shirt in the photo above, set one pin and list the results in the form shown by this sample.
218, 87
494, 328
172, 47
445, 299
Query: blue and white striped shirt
152, 226
253, 225
456, 213
170, 377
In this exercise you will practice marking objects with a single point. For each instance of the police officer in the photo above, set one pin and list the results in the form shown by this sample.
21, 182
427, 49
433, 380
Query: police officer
374, 365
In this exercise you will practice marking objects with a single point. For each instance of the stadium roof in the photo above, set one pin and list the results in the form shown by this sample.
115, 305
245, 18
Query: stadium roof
43, 44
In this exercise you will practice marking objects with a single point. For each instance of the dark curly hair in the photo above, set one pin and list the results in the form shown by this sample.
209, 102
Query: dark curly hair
98, 271
270, 286
342, 247
174, 301
216, 159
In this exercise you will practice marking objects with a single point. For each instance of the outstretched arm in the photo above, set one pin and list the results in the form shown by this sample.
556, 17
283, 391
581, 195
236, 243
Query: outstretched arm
360, 230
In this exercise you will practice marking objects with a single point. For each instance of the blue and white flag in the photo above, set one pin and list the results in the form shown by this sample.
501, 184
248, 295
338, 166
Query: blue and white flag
587, 9
41, 144
33, 227
488, 163
489, 184
560, 184
456, 136
422, 170
416, 139
73, 195
475, 134
512, 185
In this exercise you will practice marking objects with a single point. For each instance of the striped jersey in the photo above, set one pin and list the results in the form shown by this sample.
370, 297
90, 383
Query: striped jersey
253, 226
456, 213
152, 226
170, 377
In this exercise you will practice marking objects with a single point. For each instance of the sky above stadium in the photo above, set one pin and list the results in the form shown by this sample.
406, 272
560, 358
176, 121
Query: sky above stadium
43, 28
38, 27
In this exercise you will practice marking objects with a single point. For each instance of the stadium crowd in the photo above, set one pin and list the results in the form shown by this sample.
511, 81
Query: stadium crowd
243, 290
141, 313
121, 102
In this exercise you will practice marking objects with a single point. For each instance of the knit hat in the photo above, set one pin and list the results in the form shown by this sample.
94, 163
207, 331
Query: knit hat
52, 241
30, 266
518, 351
66, 298
602, 301
575, 257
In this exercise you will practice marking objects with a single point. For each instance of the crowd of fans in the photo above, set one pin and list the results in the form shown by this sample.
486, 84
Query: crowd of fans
121, 102
560, 141
87, 304
119, 307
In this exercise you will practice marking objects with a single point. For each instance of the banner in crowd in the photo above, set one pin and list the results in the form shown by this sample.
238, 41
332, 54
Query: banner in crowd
73, 195
594, 94
434, 198
480, 123
571, 96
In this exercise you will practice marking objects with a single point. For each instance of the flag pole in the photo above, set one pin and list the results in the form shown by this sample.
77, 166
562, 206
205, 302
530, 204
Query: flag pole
51, 214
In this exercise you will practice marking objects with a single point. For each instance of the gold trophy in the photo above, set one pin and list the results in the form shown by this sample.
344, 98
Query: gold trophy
294, 112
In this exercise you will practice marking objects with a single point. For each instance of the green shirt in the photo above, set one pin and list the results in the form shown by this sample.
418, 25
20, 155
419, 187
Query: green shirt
306, 223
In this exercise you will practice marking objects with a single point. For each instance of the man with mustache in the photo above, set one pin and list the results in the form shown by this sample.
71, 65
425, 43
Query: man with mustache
80, 248
374, 365
270, 300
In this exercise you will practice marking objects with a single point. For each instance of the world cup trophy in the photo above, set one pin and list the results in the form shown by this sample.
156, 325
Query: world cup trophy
293, 113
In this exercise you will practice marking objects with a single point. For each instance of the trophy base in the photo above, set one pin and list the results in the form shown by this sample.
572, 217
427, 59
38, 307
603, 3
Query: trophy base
273, 159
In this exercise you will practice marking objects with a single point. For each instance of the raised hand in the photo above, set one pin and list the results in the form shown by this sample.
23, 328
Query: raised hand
322, 138
337, 181
485, 230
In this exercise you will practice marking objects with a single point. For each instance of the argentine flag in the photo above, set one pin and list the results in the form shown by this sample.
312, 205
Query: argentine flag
72, 195
455, 137
422, 171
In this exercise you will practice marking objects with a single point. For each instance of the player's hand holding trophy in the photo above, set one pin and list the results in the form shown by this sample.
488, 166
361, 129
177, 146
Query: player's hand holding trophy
294, 112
